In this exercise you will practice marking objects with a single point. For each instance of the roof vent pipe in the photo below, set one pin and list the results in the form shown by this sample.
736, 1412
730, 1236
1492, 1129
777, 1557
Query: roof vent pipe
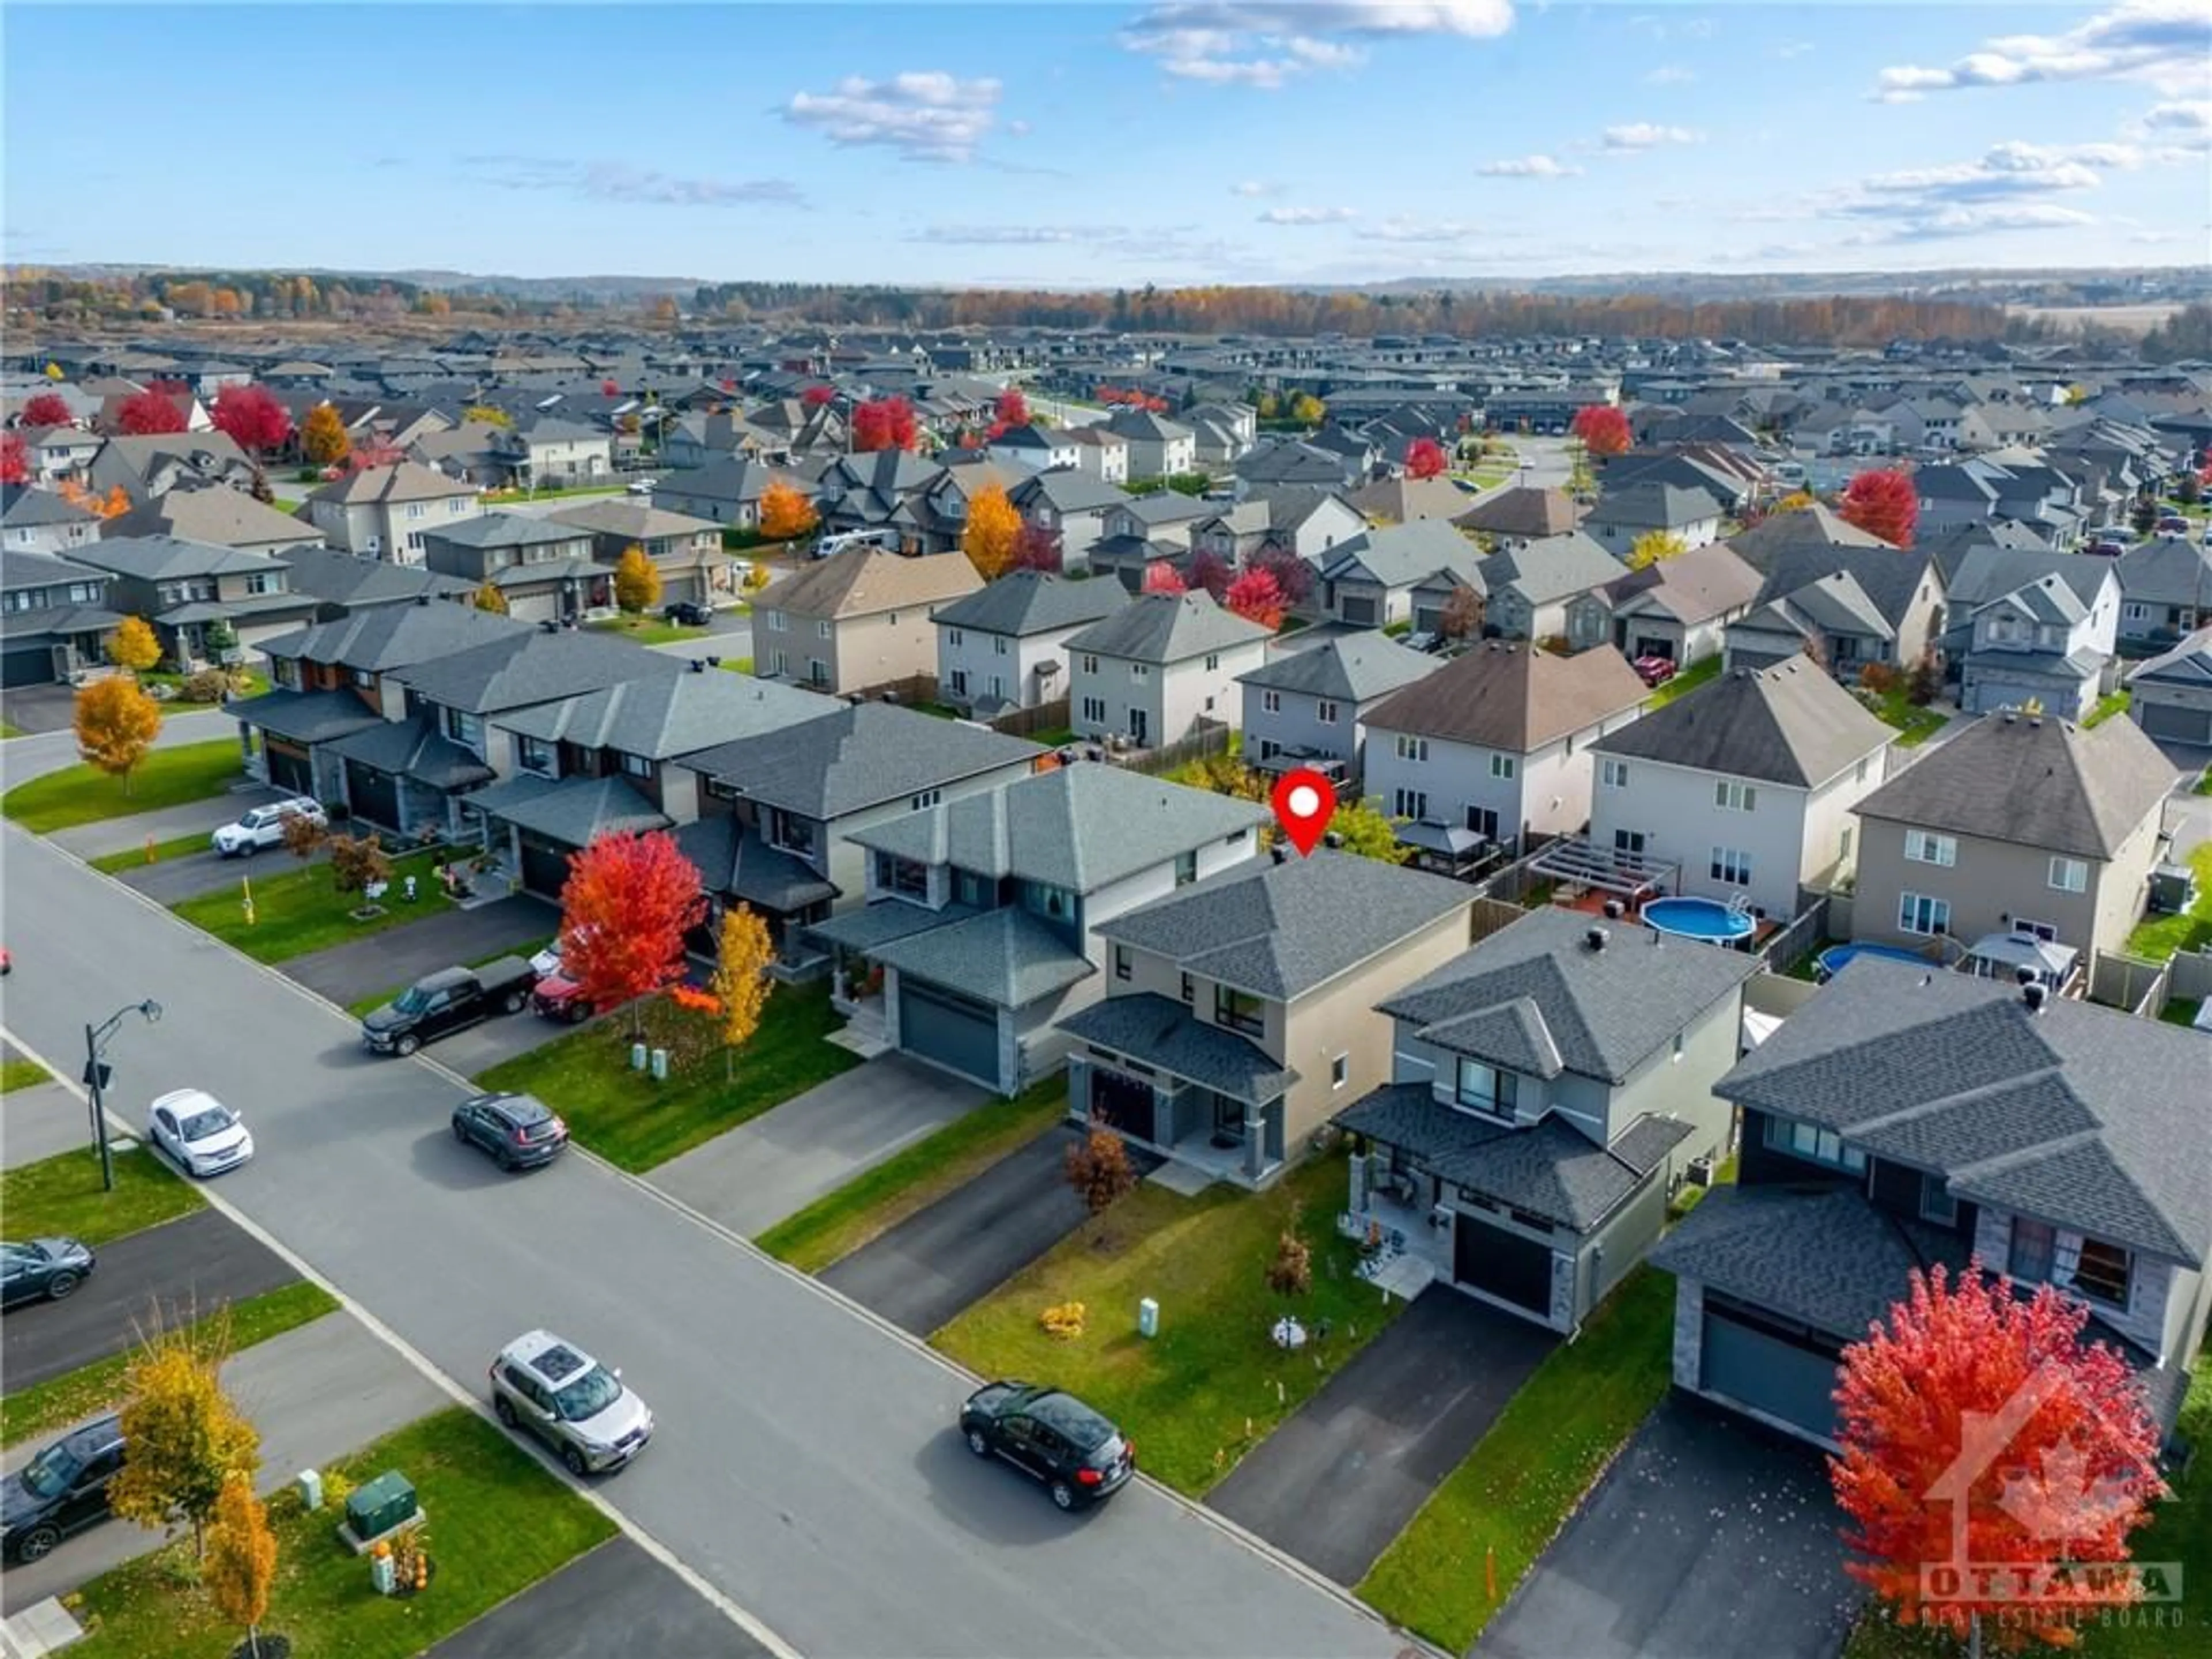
1595, 939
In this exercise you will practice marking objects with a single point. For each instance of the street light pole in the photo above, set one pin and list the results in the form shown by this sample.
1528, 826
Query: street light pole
95, 1079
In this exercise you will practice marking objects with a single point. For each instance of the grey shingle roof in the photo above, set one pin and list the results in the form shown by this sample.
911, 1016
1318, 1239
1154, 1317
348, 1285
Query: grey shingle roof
533, 666
574, 811
345, 579
1513, 696
1696, 586
395, 635
1533, 997
1157, 1032
2082, 1116
862, 930
1789, 724
1551, 568
861, 755
413, 749
507, 530
1350, 666
1004, 957
2040, 783
1399, 555
23, 507
730, 859
1082, 827
156, 558
1025, 602
306, 716
1165, 627
671, 714
1279, 929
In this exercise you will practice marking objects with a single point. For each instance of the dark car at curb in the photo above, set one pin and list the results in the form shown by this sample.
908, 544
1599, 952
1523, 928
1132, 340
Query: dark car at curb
1078, 1457
61, 1491
516, 1131
43, 1269
688, 614
451, 999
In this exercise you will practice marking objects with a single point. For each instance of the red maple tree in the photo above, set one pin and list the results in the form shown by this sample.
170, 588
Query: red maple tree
813, 398
1036, 548
611, 388
1255, 596
1602, 429
1978, 1427
625, 910
370, 454
14, 459
1425, 459
1294, 577
47, 409
144, 413
1209, 571
884, 424
1013, 409
1883, 503
251, 417
1164, 578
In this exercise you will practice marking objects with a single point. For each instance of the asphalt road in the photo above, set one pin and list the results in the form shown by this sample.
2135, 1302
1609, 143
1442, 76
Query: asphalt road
806, 1463
178, 1271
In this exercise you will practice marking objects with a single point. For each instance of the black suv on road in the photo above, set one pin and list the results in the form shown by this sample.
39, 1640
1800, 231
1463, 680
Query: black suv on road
1080, 1457
688, 614
62, 1490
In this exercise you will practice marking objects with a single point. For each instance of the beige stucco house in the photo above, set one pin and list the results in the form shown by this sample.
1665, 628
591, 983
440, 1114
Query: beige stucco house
857, 619
381, 512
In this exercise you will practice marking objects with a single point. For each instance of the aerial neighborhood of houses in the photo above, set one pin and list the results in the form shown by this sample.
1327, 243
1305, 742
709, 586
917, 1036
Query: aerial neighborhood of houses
1770, 858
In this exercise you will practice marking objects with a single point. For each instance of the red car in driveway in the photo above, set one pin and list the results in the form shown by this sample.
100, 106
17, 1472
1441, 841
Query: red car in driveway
563, 999
1654, 671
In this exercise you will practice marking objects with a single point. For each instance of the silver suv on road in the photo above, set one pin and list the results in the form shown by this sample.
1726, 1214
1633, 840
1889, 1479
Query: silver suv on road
566, 1397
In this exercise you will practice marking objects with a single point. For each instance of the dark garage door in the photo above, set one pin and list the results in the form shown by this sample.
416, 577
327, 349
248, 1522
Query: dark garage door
1789, 1377
952, 1031
373, 795
1502, 1264
29, 665
544, 867
2176, 725
288, 767
1360, 613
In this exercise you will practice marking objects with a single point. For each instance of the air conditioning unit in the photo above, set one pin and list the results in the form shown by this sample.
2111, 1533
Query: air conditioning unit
373, 546
1700, 1172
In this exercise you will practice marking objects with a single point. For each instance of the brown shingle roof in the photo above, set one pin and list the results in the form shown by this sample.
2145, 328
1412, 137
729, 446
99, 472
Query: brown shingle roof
1523, 510
404, 480
1508, 695
862, 580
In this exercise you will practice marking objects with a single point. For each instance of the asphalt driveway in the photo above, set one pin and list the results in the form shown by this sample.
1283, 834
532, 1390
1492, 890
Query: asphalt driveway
1342, 1476
184, 1269
193, 818
384, 961
814, 1143
931, 1265
188, 876
1709, 1538
616, 1599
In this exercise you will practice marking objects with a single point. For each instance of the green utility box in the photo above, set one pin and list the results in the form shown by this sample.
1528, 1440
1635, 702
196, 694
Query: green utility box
385, 1502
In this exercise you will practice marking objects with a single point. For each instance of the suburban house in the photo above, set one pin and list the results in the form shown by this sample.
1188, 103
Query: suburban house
2166, 591
1906, 1118
1401, 500
55, 618
857, 620
940, 511
382, 511
728, 490
1550, 1090
1297, 519
2046, 636
1004, 645
1154, 670
1368, 580
1767, 542
1519, 513
1855, 605
1239, 1013
1531, 588
1306, 707
1039, 448
777, 810
217, 513
1100, 452
2026, 838
341, 583
1282, 460
1677, 608
705, 436
881, 490
2173, 693
686, 551
1221, 433
59, 451
546, 451
1623, 515
34, 520
544, 570
982, 911
1496, 745
1745, 786
1158, 447
154, 465
186, 589
1070, 505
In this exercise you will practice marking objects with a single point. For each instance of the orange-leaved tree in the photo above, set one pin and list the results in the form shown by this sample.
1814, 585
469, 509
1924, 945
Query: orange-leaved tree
786, 514
132, 645
323, 436
116, 723
242, 1560
993, 528
624, 909
1602, 429
1882, 502
1978, 1427
637, 580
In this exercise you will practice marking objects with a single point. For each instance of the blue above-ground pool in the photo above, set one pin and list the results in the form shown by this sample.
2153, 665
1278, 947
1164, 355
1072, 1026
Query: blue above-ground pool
1699, 918
1833, 960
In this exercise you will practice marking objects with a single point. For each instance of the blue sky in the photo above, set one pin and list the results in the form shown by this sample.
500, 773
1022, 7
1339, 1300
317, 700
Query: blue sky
1061, 144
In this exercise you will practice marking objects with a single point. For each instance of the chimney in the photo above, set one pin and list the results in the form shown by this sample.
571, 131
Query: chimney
1282, 855
1595, 939
2034, 995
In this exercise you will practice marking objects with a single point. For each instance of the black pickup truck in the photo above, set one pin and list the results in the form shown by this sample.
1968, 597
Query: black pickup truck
448, 1000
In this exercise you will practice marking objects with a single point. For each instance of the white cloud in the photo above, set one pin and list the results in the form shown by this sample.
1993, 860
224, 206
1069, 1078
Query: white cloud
1527, 167
1670, 74
1308, 215
2185, 126
925, 115
2009, 170
2167, 43
1646, 135
1011, 236
1254, 187
619, 182
1266, 42
1793, 49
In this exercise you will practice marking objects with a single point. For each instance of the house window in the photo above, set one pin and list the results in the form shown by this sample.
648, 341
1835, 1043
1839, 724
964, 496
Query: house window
1339, 1071
1925, 847
1731, 795
1047, 900
2100, 1270
952, 637
1485, 1088
1121, 967
464, 728
1918, 913
975, 890
2069, 876
1271, 702
2034, 1244
1501, 766
776, 622
927, 798
1090, 664
790, 832
1240, 1010
1813, 1144
1141, 671
637, 766
1413, 749
536, 755
818, 671
1094, 711
998, 685
263, 581
780, 664
1325, 712
1483, 821
414, 509
1731, 865
999, 644
904, 877
821, 630
1936, 1204
1189, 991
959, 682
1213, 661
1410, 804
1185, 870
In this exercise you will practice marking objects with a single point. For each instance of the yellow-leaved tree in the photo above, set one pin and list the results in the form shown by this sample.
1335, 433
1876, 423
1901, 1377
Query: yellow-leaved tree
132, 645
323, 438
489, 598
183, 1436
242, 1560
637, 582
741, 985
1654, 545
488, 415
994, 530
786, 514
116, 723
1796, 501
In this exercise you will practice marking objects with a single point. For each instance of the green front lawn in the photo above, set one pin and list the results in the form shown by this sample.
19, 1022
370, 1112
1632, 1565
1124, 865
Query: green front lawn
1204, 1392
134, 858
650, 631
1915, 725
1526, 1477
286, 505
256, 683
635, 1123
7, 730
39, 1410
296, 910
2156, 939
908, 1183
497, 1522
23, 1074
738, 665
1686, 682
2115, 703
1057, 736
61, 1195
167, 777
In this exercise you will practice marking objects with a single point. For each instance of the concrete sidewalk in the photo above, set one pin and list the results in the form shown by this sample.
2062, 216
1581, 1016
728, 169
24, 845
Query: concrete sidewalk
783, 1160
40, 1121
384, 961
194, 818
316, 1393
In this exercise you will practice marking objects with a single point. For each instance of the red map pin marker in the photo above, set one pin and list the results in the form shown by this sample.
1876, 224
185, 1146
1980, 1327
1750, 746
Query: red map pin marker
1303, 802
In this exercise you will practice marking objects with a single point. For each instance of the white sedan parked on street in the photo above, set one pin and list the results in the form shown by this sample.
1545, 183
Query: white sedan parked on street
198, 1133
